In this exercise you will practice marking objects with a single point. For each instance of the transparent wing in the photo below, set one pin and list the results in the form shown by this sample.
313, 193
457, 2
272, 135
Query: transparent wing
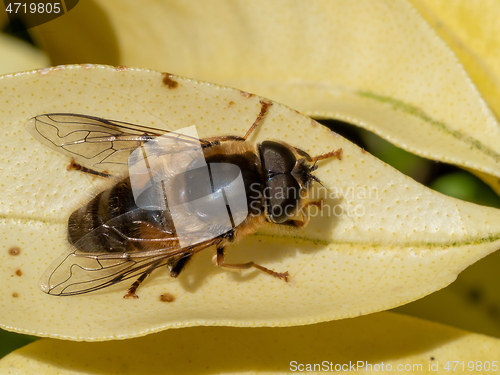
96, 143
123, 248
77, 273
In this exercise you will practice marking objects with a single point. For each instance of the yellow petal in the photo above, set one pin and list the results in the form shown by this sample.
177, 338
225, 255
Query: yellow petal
381, 240
373, 63
387, 342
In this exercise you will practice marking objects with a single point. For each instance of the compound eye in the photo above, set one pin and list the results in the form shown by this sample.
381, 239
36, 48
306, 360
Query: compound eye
283, 196
276, 157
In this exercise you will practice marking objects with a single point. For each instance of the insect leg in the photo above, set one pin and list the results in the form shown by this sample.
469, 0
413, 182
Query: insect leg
219, 261
332, 154
77, 167
337, 154
135, 285
216, 140
178, 266
263, 110
304, 220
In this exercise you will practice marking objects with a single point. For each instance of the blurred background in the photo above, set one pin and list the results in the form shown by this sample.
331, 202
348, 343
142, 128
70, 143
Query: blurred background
471, 303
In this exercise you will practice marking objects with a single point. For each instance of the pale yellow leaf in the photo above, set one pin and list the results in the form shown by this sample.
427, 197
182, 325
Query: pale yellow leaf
19, 56
382, 240
471, 302
373, 63
383, 343
471, 29
83, 35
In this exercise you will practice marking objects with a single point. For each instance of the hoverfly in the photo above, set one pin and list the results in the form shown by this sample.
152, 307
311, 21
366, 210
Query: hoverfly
114, 238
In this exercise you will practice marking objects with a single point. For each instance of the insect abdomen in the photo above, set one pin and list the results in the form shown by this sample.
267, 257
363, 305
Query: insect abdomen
105, 206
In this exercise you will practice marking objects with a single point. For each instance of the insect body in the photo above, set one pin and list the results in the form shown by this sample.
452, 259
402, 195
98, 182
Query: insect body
116, 236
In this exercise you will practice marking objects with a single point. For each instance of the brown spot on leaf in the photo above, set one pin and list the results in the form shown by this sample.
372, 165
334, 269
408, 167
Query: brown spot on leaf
19, 273
169, 82
14, 250
15, 295
73, 166
167, 297
246, 94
